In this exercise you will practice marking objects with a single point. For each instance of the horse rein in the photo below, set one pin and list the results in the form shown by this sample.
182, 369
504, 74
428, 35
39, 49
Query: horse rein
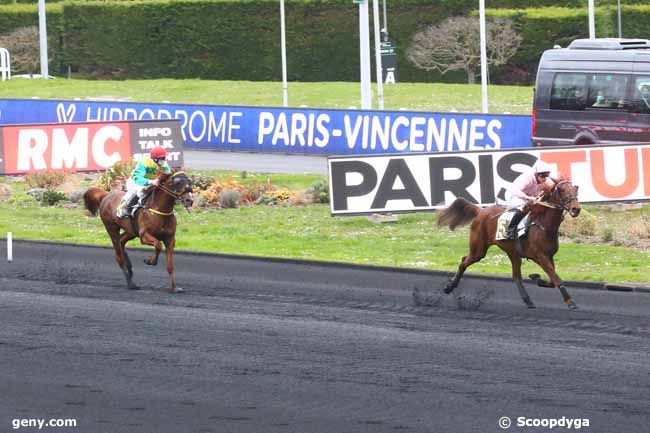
175, 195
564, 200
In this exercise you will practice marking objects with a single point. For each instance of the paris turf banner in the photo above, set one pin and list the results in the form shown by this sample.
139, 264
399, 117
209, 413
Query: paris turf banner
421, 182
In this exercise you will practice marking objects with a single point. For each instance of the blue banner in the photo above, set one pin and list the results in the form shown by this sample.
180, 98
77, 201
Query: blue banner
308, 131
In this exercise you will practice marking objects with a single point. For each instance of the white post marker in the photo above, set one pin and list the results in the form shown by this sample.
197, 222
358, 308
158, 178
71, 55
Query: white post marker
10, 253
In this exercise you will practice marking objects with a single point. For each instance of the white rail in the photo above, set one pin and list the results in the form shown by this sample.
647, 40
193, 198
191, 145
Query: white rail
5, 64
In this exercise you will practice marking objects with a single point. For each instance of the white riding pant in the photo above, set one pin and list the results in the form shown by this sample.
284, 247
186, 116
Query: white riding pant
133, 188
514, 202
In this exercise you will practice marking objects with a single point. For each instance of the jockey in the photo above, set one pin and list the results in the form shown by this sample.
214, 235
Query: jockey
524, 191
143, 175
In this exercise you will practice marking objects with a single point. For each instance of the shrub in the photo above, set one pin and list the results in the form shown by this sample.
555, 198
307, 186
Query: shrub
319, 191
640, 229
229, 199
115, 176
585, 225
608, 234
23, 44
277, 197
46, 179
52, 197
5, 191
201, 182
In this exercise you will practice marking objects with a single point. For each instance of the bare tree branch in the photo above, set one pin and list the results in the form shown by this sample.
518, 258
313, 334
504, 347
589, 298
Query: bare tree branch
455, 44
24, 49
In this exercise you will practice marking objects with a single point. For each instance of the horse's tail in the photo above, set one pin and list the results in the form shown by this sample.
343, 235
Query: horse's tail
460, 213
93, 198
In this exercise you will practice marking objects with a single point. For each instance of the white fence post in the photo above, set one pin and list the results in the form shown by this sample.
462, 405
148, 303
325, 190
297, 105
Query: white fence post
5, 64
10, 247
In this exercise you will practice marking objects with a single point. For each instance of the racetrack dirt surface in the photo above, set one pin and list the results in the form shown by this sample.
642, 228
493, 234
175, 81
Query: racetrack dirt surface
271, 346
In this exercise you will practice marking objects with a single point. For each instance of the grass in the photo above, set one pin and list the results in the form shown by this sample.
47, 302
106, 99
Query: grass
309, 232
408, 96
601, 245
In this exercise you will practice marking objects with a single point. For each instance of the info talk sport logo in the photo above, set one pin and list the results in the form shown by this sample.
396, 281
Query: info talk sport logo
550, 423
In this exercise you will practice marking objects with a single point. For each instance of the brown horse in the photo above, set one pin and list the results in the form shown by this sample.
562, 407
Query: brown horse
154, 224
540, 244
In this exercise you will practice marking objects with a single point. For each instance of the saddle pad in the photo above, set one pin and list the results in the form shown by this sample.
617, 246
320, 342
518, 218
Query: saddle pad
504, 221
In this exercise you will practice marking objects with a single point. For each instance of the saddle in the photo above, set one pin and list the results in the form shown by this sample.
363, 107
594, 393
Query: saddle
504, 221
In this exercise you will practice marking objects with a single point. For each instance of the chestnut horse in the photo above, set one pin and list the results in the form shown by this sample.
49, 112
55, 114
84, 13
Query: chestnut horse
154, 224
540, 244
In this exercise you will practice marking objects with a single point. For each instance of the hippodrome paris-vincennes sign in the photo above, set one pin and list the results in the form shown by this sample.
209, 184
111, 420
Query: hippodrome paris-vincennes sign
301, 130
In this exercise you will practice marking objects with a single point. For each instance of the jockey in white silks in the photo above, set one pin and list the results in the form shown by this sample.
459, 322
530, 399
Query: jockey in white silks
525, 190
143, 175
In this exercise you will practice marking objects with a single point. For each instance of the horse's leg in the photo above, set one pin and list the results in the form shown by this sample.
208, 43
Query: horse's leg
114, 232
148, 239
477, 250
153, 260
124, 238
515, 259
169, 253
548, 265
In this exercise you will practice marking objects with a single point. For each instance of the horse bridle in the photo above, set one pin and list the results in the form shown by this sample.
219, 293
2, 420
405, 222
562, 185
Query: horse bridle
174, 194
563, 200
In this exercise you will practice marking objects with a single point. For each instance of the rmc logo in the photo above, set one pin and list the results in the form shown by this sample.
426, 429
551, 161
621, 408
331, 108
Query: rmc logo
74, 147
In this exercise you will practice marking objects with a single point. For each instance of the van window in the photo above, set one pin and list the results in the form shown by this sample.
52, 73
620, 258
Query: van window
641, 94
569, 91
607, 91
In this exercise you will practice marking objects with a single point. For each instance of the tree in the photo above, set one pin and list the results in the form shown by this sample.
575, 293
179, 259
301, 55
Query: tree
24, 48
455, 44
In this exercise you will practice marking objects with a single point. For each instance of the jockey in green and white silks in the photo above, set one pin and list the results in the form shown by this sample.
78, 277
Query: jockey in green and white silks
143, 175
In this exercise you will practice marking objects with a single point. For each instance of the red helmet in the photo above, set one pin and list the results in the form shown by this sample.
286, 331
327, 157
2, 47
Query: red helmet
158, 152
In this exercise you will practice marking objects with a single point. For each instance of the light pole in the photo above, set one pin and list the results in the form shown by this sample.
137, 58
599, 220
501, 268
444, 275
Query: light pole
283, 43
385, 19
378, 68
484, 69
620, 29
364, 55
42, 32
592, 21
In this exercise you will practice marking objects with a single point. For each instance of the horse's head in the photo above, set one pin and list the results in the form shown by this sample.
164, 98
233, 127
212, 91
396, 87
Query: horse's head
565, 195
179, 186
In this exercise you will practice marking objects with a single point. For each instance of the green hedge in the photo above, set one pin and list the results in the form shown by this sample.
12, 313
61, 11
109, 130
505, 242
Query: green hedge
240, 40
231, 40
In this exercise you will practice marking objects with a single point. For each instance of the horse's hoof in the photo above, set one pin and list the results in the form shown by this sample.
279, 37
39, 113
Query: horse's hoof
150, 262
572, 305
448, 289
530, 305
177, 290
133, 287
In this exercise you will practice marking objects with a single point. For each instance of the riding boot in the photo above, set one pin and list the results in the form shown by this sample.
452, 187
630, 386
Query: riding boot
514, 222
124, 209
132, 202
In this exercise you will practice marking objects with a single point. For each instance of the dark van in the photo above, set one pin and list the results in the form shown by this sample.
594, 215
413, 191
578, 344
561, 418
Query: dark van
595, 91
